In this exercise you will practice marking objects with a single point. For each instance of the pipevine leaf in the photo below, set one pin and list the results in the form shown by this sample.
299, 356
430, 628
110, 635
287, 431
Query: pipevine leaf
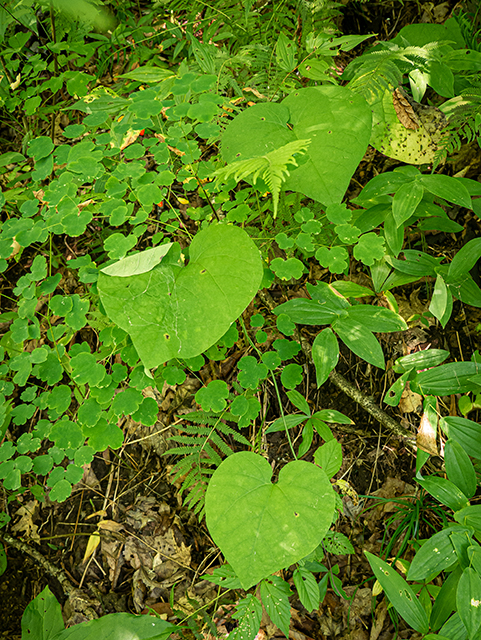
337, 122
262, 527
178, 312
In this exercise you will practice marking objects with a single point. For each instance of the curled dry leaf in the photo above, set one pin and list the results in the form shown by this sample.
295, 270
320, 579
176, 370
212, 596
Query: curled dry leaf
404, 110
426, 437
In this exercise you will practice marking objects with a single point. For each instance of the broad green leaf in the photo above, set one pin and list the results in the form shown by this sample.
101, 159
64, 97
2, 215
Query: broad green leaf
323, 292
393, 396
303, 311
406, 199
329, 457
360, 340
420, 360
416, 263
459, 468
249, 614
119, 625
351, 289
470, 517
441, 304
325, 354
286, 53
400, 594
381, 185
299, 402
466, 290
465, 258
223, 576
307, 588
445, 602
262, 527
280, 424
454, 628
378, 319
464, 431
148, 74
447, 188
337, 122
337, 543
180, 312
445, 491
42, 619
468, 600
394, 234
141, 262
275, 598
448, 379
435, 555
330, 415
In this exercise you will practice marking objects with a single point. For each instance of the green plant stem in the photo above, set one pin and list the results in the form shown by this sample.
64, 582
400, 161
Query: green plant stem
241, 320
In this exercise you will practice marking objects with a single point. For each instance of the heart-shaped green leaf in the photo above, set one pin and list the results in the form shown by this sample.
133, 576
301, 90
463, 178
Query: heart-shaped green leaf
336, 121
172, 311
262, 527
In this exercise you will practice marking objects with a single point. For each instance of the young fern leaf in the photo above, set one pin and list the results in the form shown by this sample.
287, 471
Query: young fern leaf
202, 449
272, 168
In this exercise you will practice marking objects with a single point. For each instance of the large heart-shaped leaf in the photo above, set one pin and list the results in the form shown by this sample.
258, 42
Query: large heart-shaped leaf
336, 121
172, 311
262, 527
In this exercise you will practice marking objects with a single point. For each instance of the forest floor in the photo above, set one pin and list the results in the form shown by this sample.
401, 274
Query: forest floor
143, 521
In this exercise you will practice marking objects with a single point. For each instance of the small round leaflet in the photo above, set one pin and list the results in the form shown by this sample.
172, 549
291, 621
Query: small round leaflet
262, 527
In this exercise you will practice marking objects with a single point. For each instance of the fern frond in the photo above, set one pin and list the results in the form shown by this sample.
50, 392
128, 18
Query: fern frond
381, 68
271, 167
200, 451
201, 417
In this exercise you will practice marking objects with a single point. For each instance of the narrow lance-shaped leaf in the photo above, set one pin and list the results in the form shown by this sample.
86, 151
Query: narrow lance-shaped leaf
468, 599
325, 354
400, 594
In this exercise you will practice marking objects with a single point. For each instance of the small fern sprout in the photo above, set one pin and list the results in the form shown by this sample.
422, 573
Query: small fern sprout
271, 167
